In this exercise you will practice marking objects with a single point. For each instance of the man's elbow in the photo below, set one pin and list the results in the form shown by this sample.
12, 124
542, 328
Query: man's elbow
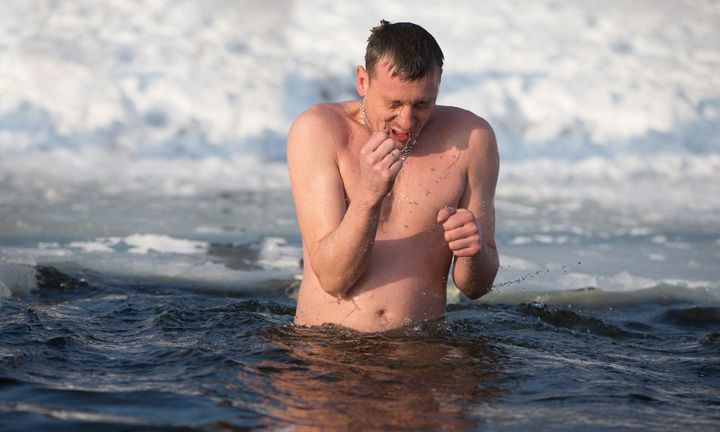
331, 281
333, 285
479, 282
476, 291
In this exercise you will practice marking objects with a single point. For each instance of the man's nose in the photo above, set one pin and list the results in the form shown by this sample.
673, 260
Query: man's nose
406, 118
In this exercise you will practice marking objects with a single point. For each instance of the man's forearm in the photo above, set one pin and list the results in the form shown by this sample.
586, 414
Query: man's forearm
340, 258
474, 275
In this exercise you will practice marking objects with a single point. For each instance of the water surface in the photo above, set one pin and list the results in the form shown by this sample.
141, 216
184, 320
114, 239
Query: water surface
84, 352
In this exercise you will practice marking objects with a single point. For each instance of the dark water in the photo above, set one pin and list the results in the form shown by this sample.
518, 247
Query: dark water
88, 352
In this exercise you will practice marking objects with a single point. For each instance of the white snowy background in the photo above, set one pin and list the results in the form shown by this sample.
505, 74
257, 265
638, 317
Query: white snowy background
605, 105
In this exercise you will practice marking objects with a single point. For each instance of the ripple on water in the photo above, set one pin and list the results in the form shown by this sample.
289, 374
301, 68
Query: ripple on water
104, 355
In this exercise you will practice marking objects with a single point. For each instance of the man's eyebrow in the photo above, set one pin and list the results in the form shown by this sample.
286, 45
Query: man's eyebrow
401, 101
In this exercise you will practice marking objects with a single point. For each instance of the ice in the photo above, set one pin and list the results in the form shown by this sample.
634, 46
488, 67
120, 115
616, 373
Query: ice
90, 246
593, 90
145, 243
152, 257
607, 116
276, 253
16, 279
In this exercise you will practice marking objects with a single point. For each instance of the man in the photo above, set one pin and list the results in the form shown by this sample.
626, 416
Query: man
387, 189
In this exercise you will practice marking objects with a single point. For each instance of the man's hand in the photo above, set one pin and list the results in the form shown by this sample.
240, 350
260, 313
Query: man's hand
380, 163
462, 231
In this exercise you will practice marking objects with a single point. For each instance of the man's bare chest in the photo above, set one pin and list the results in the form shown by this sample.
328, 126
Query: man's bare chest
426, 183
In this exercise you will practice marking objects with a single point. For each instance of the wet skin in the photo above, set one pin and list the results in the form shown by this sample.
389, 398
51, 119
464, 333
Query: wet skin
379, 233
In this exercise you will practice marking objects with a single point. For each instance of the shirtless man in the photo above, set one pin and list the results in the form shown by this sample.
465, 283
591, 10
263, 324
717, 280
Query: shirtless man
388, 189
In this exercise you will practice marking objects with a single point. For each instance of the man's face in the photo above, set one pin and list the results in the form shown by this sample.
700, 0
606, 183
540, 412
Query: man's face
402, 107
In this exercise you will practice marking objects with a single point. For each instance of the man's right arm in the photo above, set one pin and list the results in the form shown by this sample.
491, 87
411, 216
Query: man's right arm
338, 238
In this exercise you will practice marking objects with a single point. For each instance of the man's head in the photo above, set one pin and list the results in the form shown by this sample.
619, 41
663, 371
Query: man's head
409, 48
400, 81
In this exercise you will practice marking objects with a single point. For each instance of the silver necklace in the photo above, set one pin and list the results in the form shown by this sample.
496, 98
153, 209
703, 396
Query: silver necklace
408, 147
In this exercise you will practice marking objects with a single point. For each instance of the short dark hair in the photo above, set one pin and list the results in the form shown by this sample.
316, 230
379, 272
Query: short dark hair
412, 51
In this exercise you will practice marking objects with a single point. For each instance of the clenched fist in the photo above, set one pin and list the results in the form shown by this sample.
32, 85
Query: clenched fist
462, 231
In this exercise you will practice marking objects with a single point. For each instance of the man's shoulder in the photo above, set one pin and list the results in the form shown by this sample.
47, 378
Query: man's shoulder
473, 133
322, 125
461, 118
322, 115
466, 126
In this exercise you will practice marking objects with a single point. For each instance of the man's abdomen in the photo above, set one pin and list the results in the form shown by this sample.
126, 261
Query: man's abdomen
404, 282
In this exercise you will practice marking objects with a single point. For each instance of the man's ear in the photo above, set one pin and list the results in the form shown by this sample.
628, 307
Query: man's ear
362, 81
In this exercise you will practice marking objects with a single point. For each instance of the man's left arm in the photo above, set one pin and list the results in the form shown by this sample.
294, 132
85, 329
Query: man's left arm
470, 229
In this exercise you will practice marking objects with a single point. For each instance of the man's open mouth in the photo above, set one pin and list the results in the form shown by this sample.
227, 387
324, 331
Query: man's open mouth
399, 136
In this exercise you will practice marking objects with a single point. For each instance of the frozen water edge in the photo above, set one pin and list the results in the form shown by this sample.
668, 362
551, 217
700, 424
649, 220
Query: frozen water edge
151, 257
667, 183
